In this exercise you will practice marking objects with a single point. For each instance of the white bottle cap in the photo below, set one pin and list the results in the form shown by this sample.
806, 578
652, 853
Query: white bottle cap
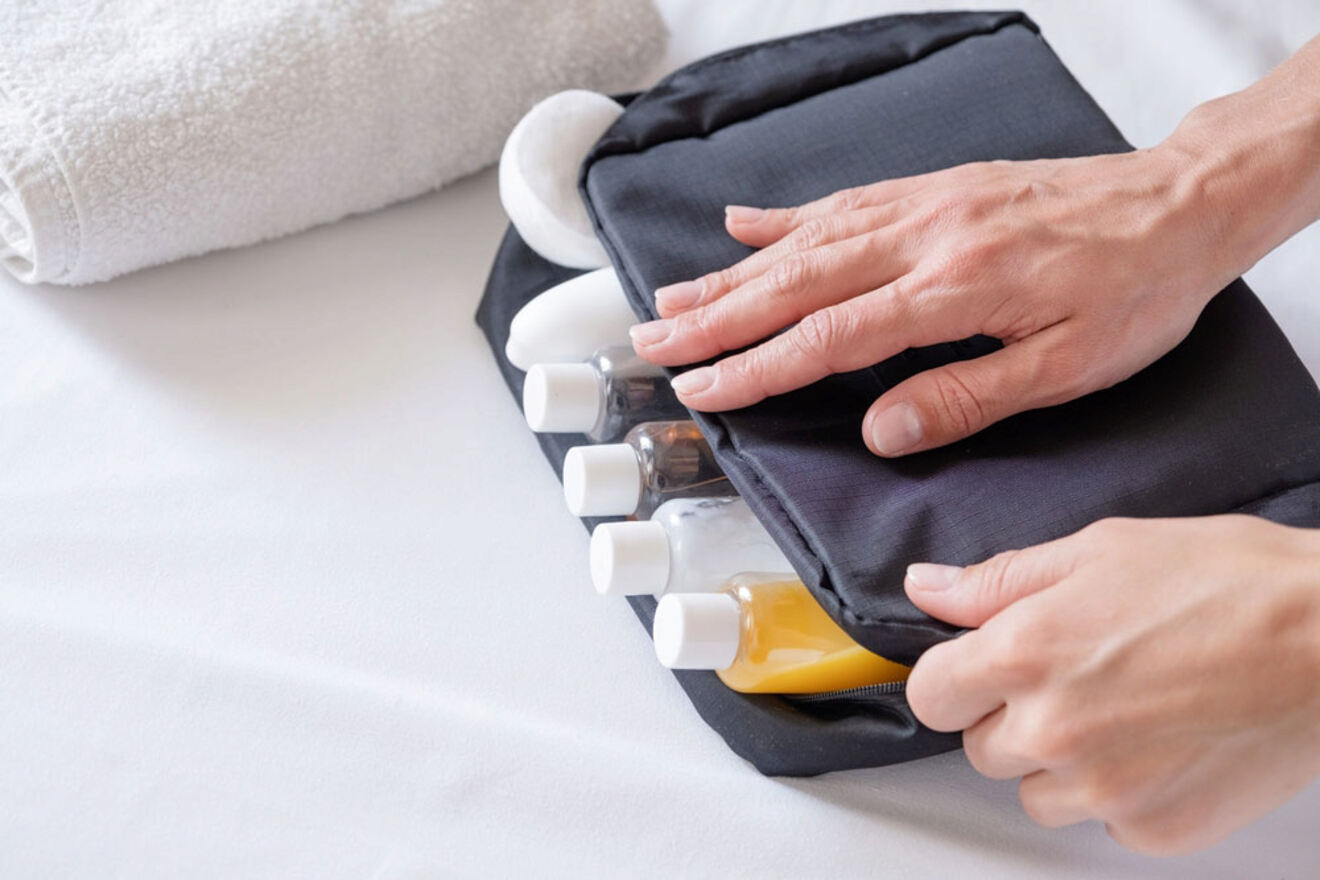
697, 630
603, 480
630, 558
560, 398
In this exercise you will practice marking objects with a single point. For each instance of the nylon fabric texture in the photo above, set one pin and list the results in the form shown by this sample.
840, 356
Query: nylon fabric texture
794, 119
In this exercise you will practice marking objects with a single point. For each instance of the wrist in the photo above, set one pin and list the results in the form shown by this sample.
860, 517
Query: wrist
1250, 167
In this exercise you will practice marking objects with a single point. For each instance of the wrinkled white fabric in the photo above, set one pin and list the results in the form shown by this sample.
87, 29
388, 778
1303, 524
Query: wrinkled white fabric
286, 589
134, 132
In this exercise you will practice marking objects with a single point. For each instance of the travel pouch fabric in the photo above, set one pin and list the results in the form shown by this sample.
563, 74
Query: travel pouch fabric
1228, 421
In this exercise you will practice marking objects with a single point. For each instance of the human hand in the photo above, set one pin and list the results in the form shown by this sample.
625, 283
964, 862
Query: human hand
1162, 676
1088, 269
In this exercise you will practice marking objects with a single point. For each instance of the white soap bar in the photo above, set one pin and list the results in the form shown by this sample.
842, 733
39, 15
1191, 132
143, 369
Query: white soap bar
570, 321
539, 175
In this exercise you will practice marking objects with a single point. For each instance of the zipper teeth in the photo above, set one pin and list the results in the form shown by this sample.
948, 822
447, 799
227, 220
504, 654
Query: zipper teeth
870, 690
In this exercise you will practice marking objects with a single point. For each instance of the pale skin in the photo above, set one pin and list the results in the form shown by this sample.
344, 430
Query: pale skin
1161, 676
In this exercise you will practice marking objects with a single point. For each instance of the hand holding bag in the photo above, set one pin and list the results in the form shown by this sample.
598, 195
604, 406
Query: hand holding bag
1228, 421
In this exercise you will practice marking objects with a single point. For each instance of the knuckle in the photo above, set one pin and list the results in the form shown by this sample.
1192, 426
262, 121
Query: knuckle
964, 262
955, 206
1035, 806
1010, 655
846, 199
1071, 381
1154, 836
897, 302
978, 754
992, 756
1040, 801
819, 334
1067, 370
1105, 795
1052, 738
741, 370
1104, 532
813, 232
707, 324
718, 282
960, 406
790, 275
996, 575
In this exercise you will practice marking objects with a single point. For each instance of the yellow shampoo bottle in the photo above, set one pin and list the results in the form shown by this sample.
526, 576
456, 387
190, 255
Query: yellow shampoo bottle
765, 633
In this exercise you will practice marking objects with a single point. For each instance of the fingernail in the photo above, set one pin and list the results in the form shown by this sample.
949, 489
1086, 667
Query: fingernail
651, 332
678, 296
743, 214
694, 381
896, 430
931, 578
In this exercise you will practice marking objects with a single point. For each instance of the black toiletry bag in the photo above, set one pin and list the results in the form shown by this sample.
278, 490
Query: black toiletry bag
1229, 421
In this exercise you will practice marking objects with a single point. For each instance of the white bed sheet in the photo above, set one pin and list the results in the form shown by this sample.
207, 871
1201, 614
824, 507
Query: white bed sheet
266, 516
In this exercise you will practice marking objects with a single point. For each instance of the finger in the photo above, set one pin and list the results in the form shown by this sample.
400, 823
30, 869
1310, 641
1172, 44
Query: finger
1052, 799
817, 232
794, 287
849, 335
950, 403
951, 689
971, 596
759, 227
990, 747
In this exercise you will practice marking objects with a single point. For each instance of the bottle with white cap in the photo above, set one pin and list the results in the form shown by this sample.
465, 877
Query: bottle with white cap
655, 462
765, 633
603, 398
689, 545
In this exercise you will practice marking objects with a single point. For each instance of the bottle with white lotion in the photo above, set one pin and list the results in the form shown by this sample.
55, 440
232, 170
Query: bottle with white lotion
689, 545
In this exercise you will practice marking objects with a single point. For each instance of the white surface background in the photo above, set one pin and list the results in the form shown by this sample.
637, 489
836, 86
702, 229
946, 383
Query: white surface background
287, 590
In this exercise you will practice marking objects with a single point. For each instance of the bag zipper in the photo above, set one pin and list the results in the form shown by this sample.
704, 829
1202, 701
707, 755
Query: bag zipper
871, 690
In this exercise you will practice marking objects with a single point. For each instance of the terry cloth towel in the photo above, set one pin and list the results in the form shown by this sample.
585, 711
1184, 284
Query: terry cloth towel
134, 132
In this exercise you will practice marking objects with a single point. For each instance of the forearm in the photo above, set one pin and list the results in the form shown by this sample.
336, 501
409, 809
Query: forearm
1253, 161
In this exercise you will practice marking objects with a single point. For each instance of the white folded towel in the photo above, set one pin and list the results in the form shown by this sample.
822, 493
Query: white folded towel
133, 132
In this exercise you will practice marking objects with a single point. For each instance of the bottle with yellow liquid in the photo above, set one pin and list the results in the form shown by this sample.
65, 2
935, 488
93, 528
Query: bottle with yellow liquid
765, 633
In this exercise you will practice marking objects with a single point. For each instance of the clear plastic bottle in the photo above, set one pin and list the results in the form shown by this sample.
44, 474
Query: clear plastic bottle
765, 633
655, 462
689, 545
604, 398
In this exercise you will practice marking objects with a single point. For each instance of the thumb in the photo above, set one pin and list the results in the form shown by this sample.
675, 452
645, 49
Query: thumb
952, 402
970, 596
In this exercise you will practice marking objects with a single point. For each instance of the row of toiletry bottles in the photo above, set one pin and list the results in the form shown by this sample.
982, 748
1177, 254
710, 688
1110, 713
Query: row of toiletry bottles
729, 600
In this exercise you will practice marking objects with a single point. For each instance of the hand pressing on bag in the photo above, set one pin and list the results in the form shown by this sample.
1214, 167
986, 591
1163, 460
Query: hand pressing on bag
1088, 269
1162, 676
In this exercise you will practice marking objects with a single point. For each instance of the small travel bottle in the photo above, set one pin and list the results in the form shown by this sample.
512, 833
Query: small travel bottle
655, 462
570, 321
603, 398
765, 633
689, 545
